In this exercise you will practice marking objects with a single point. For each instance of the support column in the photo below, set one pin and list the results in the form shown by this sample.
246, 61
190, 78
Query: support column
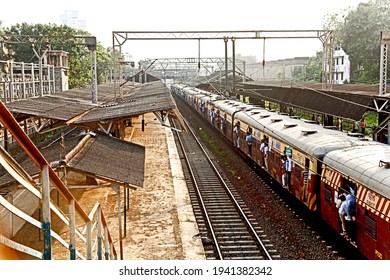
24, 93
99, 234
106, 246
72, 229
94, 77
385, 39
117, 189
33, 80
89, 241
46, 218
234, 64
11, 82
226, 62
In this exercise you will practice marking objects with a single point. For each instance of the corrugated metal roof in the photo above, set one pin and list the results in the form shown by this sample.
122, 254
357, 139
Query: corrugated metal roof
152, 97
341, 104
126, 160
351, 105
64, 106
50, 150
52, 107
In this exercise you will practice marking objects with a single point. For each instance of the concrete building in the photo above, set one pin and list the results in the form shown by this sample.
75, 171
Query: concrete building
341, 66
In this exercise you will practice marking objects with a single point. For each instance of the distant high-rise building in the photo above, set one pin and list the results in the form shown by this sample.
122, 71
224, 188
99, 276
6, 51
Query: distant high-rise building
71, 18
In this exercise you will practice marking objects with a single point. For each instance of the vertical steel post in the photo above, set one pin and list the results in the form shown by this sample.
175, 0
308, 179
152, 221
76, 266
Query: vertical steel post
72, 229
234, 64
385, 39
225, 39
89, 240
118, 190
94, 76
106, 247
99, 233
124, 210
48, 79
46, 218
11, 82
54, 79
91, 44
33, 79
264, 59
24, 95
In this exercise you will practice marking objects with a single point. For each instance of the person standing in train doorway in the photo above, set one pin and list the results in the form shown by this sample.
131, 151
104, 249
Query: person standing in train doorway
236, 131
289, 166
248, 140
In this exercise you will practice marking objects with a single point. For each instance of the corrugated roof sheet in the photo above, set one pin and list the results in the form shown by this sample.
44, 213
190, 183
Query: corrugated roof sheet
126, 160
50, 150
152, 97
66, 105
342, 104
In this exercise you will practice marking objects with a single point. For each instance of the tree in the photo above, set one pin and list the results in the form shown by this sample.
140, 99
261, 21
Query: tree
358, 32
313, 69
79, 55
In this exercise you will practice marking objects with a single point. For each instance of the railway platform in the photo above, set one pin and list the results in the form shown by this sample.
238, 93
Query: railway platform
161, 223
158, 223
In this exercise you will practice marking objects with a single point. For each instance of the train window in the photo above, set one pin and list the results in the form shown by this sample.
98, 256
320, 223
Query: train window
371, 226
328, 195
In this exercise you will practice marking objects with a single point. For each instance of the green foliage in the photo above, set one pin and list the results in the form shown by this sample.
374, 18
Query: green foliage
358, 32
313, 69
79, 55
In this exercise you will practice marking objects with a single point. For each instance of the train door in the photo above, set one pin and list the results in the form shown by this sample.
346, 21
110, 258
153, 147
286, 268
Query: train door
347, 209
305, 183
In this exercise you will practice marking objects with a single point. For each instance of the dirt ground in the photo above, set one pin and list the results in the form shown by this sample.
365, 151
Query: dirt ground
159, 223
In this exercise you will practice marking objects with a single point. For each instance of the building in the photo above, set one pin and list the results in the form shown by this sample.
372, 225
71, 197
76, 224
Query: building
71, 18
341, 67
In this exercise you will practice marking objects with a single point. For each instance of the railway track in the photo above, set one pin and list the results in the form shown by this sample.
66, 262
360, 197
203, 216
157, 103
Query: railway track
227, 228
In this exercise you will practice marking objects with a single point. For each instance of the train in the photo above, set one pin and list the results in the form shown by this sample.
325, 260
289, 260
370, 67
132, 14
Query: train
327, 164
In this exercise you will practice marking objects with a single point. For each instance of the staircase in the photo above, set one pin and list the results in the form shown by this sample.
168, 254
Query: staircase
86, 236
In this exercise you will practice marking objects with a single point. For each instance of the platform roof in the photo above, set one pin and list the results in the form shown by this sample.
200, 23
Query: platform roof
126, 159
152, 97
349, 101
76, 104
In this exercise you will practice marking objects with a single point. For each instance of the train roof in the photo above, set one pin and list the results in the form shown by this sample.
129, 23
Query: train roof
367, 162
302, 134
368, 165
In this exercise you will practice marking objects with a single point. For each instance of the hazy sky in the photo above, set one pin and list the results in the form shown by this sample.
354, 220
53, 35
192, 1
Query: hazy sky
103, 17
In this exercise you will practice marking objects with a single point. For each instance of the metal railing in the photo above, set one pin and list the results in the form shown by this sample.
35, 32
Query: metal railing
94, 238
